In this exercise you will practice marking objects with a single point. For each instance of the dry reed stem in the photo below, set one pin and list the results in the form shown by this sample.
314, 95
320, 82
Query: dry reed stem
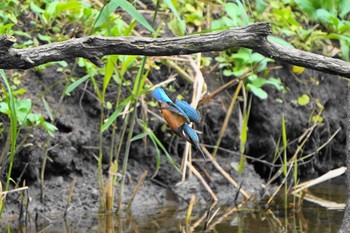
109, 194
197, 93
227, 214
205, 184
324, 144
227, 117
189, 210
178, 70
331, 205
4, 193
213, 215
329, 175
203, 217
227, 85
304, 137
166, 82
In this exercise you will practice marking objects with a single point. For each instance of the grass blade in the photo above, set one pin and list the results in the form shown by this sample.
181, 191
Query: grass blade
173, 9
128, 7
116, 113
13, 132
105, 12
161, 146
75, 84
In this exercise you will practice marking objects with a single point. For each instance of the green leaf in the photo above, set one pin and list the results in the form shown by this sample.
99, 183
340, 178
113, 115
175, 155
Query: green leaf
51, 9
128, 7
35, 8
73, 6
344, 7
276, 82
344, 46
260, 6
231, 10
139, 136
109, 69
13, 18
44, 38
128, 62
243, 13
50, 128
116, 113
307, 6
303, 100
48, 109
176, 14
175, 27
228, 72
106, 11
257, 91
324, 16
75, 84
161, 146
4, 108
280, 41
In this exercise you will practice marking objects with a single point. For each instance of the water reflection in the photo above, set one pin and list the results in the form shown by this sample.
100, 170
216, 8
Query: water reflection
308, 219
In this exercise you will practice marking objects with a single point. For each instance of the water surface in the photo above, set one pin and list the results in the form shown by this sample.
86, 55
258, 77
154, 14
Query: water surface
310, 218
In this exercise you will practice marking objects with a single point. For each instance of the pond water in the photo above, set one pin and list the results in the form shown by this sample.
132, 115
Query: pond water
308, 219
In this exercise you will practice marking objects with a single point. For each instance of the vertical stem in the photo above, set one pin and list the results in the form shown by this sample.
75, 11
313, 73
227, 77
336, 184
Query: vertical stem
136, 92
227, 118
100, 158
126, 156
13, 133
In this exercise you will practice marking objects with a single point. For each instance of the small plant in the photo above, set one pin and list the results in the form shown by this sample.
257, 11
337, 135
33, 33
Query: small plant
321, 26
332, 16
25, 117
20, 115
240, 62
235, 15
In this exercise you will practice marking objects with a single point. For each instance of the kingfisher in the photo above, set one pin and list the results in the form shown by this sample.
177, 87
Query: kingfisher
178, 116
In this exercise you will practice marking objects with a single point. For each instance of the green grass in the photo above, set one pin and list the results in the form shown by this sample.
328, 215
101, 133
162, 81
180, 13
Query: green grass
310, 25
10, 100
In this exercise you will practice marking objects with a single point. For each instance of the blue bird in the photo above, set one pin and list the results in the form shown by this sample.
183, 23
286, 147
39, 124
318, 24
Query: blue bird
167, 104
178, 115
192, 113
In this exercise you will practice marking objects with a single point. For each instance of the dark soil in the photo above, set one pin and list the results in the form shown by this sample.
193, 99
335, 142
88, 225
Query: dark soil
73, 151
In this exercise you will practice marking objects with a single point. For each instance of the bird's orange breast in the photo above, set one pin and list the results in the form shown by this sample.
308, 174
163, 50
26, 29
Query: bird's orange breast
174, 120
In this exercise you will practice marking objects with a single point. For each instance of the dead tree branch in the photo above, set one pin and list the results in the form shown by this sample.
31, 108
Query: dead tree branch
94, 47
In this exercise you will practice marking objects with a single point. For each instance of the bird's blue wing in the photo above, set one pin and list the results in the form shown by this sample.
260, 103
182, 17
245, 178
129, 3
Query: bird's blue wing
192, 136
160, 95
192, 113
190, 133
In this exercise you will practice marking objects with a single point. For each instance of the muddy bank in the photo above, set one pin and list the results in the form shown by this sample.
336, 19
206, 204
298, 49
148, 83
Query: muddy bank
73, 151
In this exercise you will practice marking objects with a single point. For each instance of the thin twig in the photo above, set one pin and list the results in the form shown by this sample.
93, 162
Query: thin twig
205, 184
224, 173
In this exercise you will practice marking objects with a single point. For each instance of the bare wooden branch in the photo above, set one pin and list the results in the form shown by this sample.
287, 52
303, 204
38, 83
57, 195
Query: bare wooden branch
94, 47
5, 44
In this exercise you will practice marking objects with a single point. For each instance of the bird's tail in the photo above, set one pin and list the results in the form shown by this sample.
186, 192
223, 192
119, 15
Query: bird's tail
192, 137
